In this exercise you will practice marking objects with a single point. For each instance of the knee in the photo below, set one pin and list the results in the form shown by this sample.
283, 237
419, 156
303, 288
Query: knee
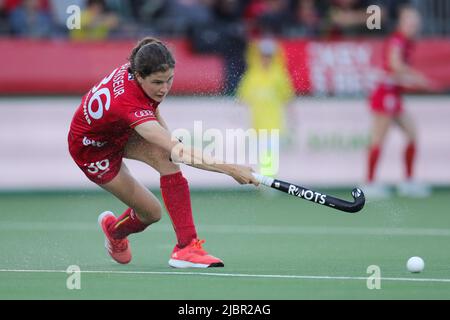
412, 136
376, 140
151, 218
155, 215
151, 215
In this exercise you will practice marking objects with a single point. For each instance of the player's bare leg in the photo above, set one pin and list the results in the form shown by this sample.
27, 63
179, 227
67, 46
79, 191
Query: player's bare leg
407, 125
134, 194
380, 127
144, 209
175, 191
410, 187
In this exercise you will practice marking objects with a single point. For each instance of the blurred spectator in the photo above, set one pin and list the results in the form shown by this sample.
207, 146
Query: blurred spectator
96, 22
10, 5
58, 10
268, 15
391, 11
307, 18
308, 15
226, 35
29, 18
266, 89
4, 25
180, 15
208, 20
276, 17
233, 41
144, 11
347, 17
130, 26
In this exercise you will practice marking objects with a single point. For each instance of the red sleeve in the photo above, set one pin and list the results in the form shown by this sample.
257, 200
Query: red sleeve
137, 115
398, 42
135, 109
133, 112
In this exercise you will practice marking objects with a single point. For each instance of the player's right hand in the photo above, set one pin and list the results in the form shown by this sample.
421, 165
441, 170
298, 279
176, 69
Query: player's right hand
243, 174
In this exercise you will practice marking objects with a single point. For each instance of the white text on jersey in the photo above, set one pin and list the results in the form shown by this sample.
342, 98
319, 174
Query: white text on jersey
118, 81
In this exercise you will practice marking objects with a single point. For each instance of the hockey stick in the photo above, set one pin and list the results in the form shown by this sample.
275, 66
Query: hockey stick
315, 196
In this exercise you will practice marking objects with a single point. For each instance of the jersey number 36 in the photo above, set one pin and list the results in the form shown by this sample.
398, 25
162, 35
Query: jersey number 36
97, 97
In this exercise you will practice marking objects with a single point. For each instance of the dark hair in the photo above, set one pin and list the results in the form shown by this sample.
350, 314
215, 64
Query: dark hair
96, 2
150, 56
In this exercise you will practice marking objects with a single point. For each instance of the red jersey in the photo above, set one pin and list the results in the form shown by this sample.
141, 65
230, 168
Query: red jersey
386, 98
104, 121
405, 46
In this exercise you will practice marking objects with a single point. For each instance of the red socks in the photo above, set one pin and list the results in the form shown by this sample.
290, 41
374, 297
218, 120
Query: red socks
126, 224
410, 154
374, 154
177, 198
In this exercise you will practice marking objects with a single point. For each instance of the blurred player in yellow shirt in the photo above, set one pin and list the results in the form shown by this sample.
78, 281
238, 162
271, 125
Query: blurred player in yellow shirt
96, 22
266, 88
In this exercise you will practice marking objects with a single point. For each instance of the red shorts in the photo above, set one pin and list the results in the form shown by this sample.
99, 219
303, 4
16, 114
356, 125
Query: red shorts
387, 100
99, 165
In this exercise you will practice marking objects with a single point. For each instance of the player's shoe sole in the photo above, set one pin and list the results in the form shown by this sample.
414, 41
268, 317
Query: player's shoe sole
193, 256
186, 264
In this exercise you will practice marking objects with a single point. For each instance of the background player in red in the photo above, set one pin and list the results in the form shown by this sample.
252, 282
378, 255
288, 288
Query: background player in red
119, 117
387, 105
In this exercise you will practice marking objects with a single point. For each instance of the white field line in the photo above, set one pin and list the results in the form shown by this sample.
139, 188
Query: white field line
231, 275
240, 229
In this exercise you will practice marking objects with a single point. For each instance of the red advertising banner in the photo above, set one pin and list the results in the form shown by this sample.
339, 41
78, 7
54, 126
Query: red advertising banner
61, 67
316, 67
352, 67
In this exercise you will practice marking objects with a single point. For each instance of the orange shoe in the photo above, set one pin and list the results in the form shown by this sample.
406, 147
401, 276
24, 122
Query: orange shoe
118, 249
193, 256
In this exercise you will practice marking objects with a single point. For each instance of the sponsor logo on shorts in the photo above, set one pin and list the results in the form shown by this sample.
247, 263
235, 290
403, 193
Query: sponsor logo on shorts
144, 113
90, 142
